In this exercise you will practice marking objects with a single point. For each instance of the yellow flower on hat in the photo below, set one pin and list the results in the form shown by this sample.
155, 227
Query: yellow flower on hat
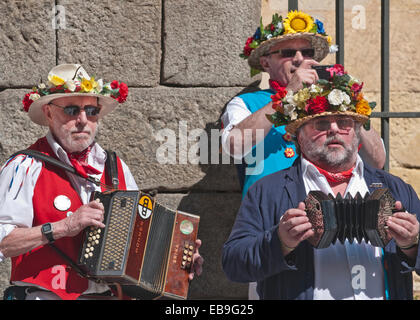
55, 80
88, 85
362, 107
297, 21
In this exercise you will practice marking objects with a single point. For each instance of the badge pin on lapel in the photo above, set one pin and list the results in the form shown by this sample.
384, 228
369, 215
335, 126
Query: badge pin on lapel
62, 203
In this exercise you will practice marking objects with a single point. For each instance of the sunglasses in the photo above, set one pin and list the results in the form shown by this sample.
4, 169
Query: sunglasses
344, 124
73, 110
290, 53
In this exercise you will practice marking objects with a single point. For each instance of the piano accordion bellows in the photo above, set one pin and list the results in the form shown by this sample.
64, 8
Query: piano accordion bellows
145, 247
360, 218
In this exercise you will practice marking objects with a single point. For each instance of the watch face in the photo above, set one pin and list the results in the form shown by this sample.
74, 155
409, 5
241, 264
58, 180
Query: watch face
46, 227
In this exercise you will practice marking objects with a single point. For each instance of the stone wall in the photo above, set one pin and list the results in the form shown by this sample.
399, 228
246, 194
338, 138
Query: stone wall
180, 60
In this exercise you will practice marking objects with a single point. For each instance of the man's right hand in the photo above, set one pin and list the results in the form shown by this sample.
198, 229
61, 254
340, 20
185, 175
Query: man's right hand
294, 227
91, 214
303, 74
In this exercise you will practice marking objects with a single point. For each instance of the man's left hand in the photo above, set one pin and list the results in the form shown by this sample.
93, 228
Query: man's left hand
403, 227
197, 266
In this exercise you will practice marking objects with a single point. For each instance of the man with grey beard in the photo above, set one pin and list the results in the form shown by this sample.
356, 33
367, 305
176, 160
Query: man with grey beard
269, 240
42, 203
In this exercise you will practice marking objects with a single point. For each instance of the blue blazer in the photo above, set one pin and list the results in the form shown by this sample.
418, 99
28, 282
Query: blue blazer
252, 252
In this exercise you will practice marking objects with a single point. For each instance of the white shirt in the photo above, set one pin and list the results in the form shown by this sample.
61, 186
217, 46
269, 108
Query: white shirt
18, 180
235, 112
345, 271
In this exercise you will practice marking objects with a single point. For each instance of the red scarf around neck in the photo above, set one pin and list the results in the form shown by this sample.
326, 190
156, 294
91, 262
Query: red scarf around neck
334, 177
79, 162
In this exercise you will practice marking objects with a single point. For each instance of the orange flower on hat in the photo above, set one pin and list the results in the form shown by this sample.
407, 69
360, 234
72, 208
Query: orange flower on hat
363, 107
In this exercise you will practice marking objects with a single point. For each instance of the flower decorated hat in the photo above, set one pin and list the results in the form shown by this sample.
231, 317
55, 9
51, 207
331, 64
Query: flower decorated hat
297, 25
72, 80
340, 95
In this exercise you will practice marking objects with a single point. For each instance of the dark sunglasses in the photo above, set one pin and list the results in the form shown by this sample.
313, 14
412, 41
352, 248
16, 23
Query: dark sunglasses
74, 110
325, 124
290, 53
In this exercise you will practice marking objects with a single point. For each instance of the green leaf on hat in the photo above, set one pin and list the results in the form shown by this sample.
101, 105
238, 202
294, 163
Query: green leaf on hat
372, 105
253, 44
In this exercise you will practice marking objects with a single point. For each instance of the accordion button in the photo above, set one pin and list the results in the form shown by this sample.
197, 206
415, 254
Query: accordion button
189, 259
86, 256
99, 230
184, 258
191, 247
184, 263
90, 254
97, 241
185, 251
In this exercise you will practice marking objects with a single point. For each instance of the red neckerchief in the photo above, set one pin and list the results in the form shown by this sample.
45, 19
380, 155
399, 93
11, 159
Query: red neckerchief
79, 162
335, 177
276, 86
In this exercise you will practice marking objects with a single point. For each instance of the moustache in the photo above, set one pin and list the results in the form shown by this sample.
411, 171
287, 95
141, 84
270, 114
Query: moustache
334, 140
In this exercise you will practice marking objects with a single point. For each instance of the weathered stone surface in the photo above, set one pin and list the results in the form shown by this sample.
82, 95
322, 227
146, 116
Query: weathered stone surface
27, 41
217, 213
113, 41
410, 176
203, 40
135, 127
4, 276
17, 131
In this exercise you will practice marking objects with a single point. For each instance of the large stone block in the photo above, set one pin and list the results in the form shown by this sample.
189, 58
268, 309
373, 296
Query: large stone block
203, 40
27, 41
17, 131
157, 131
113, 40
217, 213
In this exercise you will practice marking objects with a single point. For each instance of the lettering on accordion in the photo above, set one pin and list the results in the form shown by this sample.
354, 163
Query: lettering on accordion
145, 247
359, 218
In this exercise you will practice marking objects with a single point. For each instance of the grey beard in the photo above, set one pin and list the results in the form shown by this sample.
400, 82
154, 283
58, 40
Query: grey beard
327, 158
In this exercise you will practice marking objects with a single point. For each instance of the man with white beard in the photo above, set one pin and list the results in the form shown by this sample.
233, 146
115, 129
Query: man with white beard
42, 203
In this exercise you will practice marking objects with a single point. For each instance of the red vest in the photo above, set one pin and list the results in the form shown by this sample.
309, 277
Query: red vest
43, 266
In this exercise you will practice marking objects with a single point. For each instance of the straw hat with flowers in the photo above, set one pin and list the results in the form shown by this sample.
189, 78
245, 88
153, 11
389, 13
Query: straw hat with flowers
72, 80
340, 95
297, 25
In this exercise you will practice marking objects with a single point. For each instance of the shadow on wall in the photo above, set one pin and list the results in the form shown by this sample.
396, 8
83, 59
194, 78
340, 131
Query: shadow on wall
217, 211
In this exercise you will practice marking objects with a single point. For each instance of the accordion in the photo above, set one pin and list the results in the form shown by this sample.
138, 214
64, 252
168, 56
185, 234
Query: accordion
145, 248
349, 218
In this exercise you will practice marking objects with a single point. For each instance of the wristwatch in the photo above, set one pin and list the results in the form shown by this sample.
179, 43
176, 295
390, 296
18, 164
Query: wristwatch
47, 231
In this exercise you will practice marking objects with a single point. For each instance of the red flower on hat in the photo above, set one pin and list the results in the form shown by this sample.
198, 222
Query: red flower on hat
316, 105
27, 102
123, 92
114, 84
277, 99
247, 48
